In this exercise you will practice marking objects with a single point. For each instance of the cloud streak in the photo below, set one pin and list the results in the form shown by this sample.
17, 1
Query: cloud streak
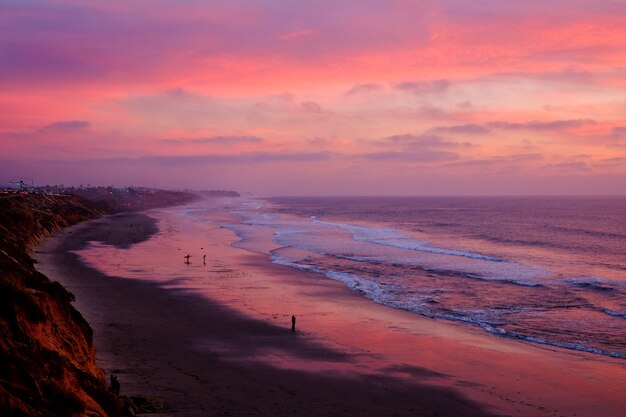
364, 89
216, 140
410, 157
465, 129
238, 159
424, 141
553, 125
66, 125
424, 87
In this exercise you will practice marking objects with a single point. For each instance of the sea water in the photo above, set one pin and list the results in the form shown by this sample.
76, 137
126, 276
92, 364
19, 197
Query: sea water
546, 270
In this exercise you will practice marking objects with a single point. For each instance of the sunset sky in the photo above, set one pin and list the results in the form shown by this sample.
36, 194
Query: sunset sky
322, 97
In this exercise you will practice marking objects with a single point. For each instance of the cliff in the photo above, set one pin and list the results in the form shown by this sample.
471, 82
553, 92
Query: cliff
47, 360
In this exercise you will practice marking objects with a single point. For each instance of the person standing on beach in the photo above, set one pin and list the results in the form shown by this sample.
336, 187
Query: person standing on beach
204, 259
293, 323
115, 385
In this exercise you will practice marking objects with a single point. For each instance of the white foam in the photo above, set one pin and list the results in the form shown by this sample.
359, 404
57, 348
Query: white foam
371, 289
614, 313
321, 237
394, 238
601, 283
384, 294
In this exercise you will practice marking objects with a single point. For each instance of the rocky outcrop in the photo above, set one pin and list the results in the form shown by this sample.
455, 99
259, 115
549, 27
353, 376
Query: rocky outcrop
47, 359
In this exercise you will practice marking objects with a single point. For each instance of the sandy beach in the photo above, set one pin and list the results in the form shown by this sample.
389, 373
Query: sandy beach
225, 346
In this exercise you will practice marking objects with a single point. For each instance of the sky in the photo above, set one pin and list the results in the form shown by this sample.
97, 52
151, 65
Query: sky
316, 97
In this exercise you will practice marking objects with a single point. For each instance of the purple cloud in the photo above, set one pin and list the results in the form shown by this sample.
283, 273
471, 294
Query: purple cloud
66, 125
311, 107
317, 142
465, 105
467, 129
612, 162
424, 141
618, 137
247, 157
363, 89
542, 126
180, 93
431, 112
424, 87
525, 157
473, 163
618, 132
220, 140
569, 166
499, 164
419, 156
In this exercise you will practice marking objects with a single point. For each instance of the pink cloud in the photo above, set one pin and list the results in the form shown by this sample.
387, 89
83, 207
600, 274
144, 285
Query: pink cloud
250, 84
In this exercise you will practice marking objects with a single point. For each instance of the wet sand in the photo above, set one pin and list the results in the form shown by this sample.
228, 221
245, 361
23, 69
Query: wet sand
224, 347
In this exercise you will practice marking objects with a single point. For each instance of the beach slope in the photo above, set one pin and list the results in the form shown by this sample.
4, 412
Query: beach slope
148, 335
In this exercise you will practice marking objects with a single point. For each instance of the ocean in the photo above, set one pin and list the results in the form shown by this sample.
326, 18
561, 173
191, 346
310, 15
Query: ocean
548, 270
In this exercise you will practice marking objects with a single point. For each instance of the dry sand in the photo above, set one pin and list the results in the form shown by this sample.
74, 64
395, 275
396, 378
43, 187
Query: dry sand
226, 349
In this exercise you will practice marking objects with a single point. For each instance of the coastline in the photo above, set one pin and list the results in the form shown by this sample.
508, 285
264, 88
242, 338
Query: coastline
224, 352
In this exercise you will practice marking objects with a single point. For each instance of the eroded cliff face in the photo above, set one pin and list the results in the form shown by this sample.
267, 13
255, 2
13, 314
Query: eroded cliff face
47, 358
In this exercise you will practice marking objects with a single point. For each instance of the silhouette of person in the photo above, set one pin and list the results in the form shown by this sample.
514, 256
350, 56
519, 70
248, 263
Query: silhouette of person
293, 323
115, 385
187, 258
204, 259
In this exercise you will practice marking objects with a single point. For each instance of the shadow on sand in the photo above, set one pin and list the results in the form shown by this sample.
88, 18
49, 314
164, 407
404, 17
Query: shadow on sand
153, 333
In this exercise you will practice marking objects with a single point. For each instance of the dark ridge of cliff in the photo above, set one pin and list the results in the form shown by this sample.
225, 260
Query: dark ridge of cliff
47, 359
115, 200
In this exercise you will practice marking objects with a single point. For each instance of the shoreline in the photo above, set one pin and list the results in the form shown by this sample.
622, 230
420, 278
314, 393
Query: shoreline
226, 353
